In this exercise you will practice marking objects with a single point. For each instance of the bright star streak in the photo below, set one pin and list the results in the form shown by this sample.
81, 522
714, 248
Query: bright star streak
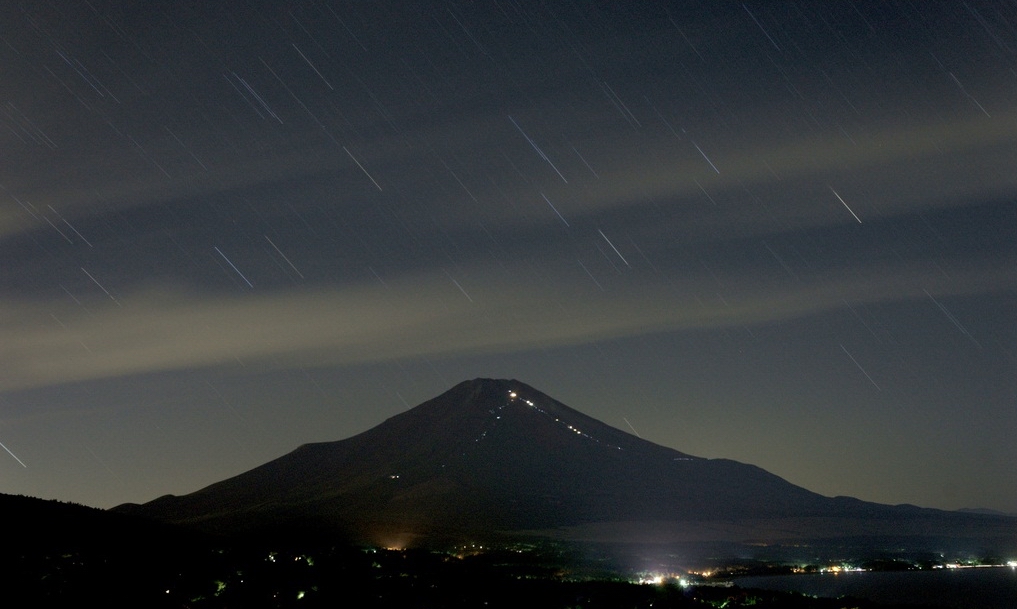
844, 204
761, 28
234, 267
555, 209
13, 455
590, 274
631, 427
539, 151
614, 248
705, 157
284, 257
953, 319
459, 286
69, 225
96, 281
862, 369
304, 57
378, 186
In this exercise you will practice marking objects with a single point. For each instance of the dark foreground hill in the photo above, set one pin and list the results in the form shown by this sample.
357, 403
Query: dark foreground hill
45, 527
497, 456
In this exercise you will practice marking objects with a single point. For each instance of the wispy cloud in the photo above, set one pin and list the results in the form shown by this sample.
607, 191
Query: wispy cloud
423, 315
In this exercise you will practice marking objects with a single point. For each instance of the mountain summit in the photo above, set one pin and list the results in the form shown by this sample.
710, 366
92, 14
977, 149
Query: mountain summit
499, 456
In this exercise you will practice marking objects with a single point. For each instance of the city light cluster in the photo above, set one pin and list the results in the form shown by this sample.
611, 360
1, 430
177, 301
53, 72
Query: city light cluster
659, 579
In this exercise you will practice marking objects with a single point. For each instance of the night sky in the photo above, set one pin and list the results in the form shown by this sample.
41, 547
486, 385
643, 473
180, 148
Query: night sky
778, 232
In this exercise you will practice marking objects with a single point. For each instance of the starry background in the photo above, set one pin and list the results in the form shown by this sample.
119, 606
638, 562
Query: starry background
779, 232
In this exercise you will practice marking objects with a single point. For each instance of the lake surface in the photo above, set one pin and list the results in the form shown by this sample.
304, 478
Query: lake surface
980, 588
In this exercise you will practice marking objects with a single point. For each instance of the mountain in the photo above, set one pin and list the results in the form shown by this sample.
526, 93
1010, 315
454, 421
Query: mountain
499, 456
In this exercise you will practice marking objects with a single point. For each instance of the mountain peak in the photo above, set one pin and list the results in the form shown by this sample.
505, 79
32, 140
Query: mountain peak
512, 413
481, 392
498, 455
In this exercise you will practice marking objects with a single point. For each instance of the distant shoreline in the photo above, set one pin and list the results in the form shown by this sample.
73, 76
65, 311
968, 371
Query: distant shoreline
963, 587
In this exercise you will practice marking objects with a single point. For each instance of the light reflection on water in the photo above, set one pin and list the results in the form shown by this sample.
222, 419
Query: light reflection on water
981, 588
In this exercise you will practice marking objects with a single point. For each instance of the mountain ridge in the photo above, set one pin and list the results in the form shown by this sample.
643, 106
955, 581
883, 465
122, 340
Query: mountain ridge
498, 455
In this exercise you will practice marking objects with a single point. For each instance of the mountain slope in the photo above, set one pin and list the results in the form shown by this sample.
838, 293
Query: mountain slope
498, 455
